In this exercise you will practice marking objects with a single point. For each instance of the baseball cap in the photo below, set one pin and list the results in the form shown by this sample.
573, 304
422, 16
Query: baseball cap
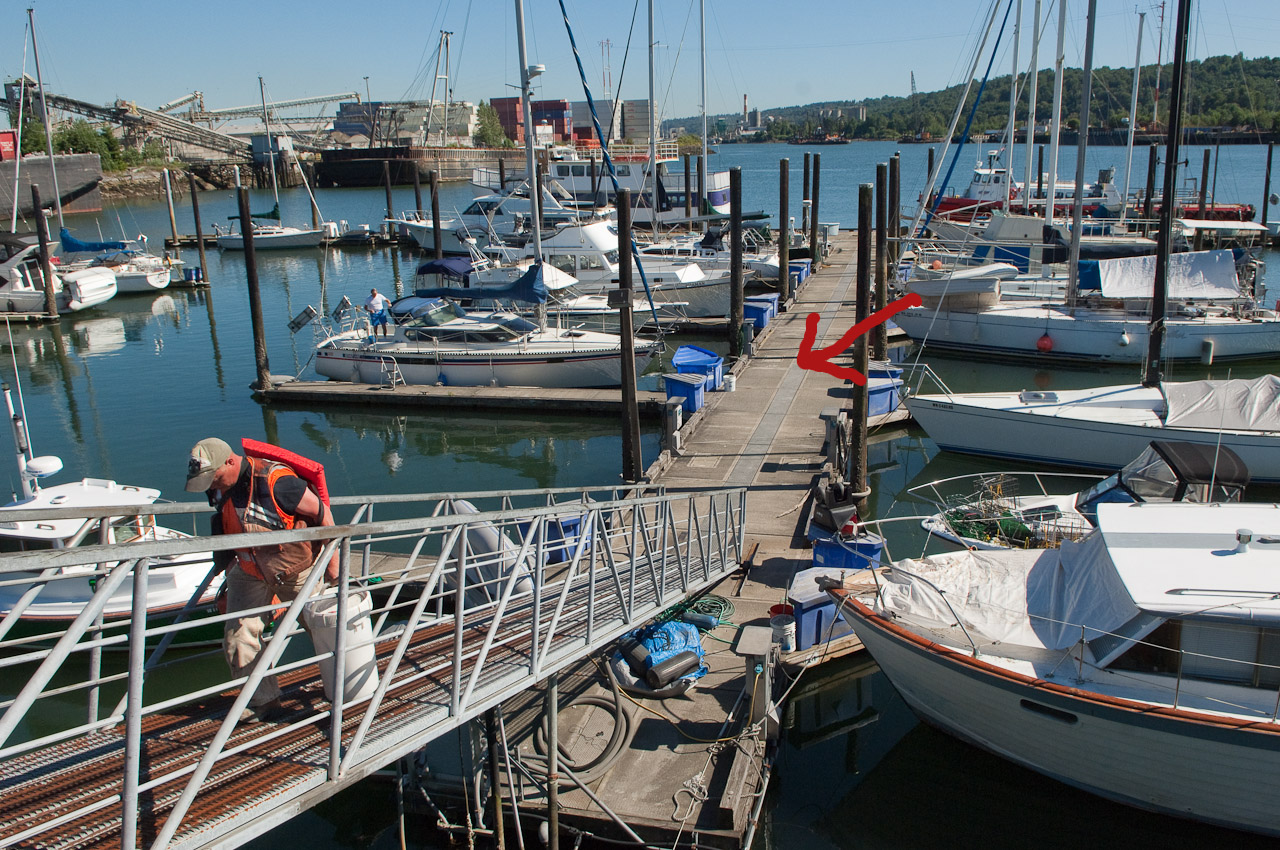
206, 456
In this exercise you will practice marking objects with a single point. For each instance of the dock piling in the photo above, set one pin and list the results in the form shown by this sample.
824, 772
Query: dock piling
417, 189
46, 263
168, 196
1266, 184
1044, 212
736, 345
688, 196
195, 213
255, 295
815, 250
632, 462
895, 210
433, 179
856, 474
880, 336
1153, 157
804, 199
553, 761
495, 778
784, 233
702, 189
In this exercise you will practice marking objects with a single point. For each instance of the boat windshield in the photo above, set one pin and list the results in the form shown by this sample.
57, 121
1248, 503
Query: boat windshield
517, 325
482, 207
434, 313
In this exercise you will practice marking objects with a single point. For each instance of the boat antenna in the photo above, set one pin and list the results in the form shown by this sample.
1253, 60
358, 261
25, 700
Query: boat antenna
44, 113
1159, 301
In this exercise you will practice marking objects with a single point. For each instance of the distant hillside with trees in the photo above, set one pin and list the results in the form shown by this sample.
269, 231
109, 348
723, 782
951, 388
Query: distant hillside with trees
1223, 91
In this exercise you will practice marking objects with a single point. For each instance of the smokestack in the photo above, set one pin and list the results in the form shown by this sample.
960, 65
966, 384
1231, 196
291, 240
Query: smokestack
744, 110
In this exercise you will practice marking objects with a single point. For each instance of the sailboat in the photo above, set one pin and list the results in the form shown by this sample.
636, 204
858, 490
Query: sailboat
266, 235
1105, 426
1202, 305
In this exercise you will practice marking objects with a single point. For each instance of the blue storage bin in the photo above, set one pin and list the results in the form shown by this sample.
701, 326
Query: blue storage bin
883, 394
801, 268
564, 538
814, 611
769, 298
687, 388
757, 314
692, 360
832, 553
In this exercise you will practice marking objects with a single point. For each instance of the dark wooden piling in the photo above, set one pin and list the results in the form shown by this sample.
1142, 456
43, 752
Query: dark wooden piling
595, 183
195, 213
168, 196
387, 184
433, 180
495, 774
1044, 211
928, 174
860, 405
255, 296
535, 190
784, 233
46, 260
502, 175
735, 263
880, 335
553, 758
804, 200
815, 250
1204, 184
1266, 184
688, 196
895, 210
632, 462
702, 188
417, 189
1148, 202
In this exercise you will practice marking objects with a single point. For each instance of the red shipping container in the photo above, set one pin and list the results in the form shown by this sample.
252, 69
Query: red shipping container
8, 144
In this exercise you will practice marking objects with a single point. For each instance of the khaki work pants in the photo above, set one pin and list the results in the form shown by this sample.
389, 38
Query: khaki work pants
242, 637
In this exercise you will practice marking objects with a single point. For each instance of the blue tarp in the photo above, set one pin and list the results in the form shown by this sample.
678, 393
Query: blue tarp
529, 288
667, 640
72, 245
455, 268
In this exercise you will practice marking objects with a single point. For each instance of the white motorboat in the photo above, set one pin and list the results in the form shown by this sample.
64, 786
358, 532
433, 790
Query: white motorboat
1105, 427
759, 258
589, 252
1007, 510
440, 343
22, 287
135, 269
51, 601
1210, 321
1139, 664
494, 217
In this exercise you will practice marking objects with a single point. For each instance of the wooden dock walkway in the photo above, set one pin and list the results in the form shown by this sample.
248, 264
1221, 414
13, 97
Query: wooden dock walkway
689, 776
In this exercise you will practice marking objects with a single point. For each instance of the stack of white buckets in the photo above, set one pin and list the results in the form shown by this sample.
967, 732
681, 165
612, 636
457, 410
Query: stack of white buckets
361, 665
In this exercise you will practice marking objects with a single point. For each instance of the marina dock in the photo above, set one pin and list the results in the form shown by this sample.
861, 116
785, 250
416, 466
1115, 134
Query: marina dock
682, 773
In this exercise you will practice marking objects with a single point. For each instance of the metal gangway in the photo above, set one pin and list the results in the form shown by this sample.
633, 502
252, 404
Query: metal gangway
123, 727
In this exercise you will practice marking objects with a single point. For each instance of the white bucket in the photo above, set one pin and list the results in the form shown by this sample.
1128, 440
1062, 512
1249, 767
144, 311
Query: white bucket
361, 664
730, 383
784, 631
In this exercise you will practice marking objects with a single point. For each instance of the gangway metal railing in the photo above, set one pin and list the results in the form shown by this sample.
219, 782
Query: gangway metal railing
474, 597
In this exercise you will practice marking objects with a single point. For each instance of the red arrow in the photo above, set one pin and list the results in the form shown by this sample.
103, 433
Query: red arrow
820, 360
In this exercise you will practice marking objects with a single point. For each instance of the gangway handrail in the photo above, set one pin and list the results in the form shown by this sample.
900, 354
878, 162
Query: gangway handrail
633, 557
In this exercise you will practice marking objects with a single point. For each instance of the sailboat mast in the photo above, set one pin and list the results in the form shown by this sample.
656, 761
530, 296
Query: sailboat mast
1058, 58
44, 113
702, 13
1082, 148
1031, 107
653, 135
1013, 104
526, 75
271, 154
1133, 119
1155, 335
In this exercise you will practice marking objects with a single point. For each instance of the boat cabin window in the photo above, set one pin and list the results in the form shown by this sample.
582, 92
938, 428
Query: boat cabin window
624, 170
1237, 653
564, 262
10, 545
579, 171
590, 261
562, 171
483, 207
518, 325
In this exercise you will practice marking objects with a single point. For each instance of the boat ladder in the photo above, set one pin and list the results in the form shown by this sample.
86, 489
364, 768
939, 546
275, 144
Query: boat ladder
389, 372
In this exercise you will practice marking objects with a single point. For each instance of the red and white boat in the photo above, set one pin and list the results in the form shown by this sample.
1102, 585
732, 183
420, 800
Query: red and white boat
1139, 664
992, 188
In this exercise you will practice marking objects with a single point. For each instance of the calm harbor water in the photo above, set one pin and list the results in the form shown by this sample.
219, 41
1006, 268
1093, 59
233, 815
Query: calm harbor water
123, 391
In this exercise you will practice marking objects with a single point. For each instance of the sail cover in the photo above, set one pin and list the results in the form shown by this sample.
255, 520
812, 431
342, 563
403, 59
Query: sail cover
1196, 275
72, 245
1232, 405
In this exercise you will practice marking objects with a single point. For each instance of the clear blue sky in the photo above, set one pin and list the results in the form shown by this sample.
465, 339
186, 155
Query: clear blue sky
777, 53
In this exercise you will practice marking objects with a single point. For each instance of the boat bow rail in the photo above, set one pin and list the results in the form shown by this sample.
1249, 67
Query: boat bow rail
478, 596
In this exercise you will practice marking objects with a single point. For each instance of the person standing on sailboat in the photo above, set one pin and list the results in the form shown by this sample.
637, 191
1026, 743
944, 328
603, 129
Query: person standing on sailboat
378, 308
257, 494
